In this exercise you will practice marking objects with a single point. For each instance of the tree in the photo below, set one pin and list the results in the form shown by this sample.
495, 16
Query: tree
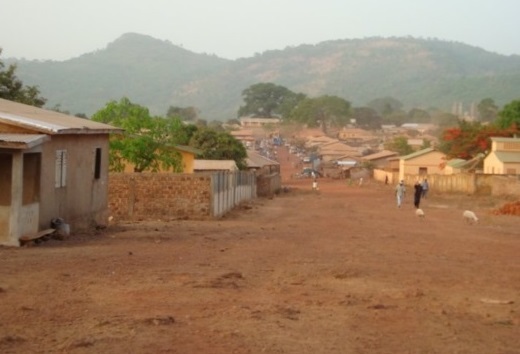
367, 118
147, 142
187, 114
13, 89
487, 110
417, 115
268, 100
471, 138
400, 145
219, 146
385, 105
325, 111
509, 116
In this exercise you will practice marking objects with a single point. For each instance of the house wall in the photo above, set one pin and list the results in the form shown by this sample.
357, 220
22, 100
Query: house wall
492, 164
432, 161
83, 201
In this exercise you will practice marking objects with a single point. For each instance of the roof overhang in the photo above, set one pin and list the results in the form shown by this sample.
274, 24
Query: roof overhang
22, 141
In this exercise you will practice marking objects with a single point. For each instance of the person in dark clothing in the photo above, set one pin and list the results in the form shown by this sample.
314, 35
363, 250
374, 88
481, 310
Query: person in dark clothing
417, 194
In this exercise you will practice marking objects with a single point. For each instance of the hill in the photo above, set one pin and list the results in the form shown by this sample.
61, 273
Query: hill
419, 72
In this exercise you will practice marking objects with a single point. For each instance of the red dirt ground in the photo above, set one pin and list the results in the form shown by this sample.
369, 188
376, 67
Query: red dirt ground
339, 270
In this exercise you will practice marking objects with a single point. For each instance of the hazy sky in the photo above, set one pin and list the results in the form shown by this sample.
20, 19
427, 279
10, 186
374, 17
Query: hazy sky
62, 29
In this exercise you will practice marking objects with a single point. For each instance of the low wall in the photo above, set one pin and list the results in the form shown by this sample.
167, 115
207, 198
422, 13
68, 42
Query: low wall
145, 196
467, 183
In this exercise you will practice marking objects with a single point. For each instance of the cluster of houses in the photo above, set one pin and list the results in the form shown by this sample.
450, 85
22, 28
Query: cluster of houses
56, 165
353, 148
53, 165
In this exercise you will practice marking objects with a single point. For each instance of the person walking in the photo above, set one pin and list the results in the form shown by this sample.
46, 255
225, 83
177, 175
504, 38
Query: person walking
400, 192
425, 187
417, 194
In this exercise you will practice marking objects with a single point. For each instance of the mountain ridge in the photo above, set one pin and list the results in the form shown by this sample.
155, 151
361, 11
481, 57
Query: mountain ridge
157, 74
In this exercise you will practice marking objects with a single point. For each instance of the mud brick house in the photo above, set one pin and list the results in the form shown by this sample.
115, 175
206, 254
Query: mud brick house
52, 165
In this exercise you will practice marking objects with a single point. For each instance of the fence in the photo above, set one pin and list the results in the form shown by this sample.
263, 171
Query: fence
144, 196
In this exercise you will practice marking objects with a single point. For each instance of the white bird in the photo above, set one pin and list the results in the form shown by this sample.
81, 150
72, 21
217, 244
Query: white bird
469, 216
419, 213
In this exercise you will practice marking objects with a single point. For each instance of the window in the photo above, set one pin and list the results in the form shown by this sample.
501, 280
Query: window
97, 164
61, 168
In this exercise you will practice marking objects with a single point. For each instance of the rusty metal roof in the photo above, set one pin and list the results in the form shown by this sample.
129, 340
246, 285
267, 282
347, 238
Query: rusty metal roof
49, 122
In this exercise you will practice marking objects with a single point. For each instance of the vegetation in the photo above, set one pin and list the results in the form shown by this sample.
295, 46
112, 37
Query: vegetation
469, 139
13, 89
509, 117
324, 111
400, 145
219, 146
268, 100
157, 74
147, 142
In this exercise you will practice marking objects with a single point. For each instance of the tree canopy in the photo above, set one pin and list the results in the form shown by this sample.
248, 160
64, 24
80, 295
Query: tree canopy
487, 110
268, 100
471, 138
13, 89
148, 143
324, 111
509, 116
385, 105
400, 145
219, 145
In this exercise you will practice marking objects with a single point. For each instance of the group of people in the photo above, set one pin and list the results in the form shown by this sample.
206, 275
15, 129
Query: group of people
420, 191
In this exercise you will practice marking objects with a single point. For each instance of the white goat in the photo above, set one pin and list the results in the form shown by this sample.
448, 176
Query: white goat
419, 213
469, 216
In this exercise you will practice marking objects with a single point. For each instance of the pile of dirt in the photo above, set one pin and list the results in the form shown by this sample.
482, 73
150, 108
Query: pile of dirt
512, 208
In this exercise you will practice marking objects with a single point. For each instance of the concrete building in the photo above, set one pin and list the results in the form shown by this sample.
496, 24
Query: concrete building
52, 165
504, 158
424, 162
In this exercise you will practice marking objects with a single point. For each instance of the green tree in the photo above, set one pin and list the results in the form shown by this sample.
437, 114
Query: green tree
219, 146
268, 100
509, 116
147, 142
487, 110
187, 114
324, 111
13, 89
400, 145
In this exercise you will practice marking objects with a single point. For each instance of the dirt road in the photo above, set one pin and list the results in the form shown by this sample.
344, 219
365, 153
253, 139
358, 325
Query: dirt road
339, 270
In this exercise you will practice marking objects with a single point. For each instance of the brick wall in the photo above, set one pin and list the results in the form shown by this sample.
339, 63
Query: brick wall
140, 196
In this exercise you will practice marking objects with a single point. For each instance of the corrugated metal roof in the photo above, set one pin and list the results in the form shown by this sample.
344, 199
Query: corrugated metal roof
213, 165
49, 122
505, 140
256, 160
380, 154
21, 141
508, 156
418, 153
